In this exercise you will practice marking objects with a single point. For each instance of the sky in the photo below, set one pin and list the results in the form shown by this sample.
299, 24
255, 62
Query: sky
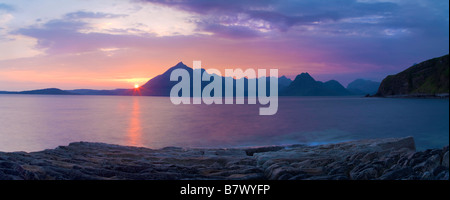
108, 44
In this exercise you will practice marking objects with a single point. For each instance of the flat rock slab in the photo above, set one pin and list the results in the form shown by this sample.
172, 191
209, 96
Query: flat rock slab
392, 158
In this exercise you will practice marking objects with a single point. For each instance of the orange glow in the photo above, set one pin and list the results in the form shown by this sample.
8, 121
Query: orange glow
137, 90
64, 71
135, 129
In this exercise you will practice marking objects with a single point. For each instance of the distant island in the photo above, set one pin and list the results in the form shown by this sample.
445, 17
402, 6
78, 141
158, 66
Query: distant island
50, 91
426, 79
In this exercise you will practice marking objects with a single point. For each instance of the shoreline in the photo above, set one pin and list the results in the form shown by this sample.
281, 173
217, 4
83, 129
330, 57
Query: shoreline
372, 159
414, 96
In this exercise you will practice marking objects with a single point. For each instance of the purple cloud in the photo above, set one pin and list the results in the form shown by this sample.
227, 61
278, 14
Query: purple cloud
91, 15
215, 6
279, 15
343, 37
62, 36
231, 32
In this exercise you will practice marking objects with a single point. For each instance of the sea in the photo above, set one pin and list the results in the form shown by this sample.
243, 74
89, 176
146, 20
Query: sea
37, 122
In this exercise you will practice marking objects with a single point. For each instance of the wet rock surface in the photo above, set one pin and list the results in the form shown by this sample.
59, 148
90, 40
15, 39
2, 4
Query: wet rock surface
378, 159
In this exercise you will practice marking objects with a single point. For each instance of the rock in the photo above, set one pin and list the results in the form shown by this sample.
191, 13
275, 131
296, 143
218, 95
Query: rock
427, 176
393, 144
397, 174
445, 149
282, 172
439, 169
320, 178
313, 171
445, 160
428, 165
357, 156
301, 176
443, 175
390, 158
389, 162
274, 171
339, 170
252, 151
286, 176
446, 176
251, 176
366, 174
339, 177
369, 157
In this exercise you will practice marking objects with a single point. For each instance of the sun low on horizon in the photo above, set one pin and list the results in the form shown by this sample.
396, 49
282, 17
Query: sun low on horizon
108, 44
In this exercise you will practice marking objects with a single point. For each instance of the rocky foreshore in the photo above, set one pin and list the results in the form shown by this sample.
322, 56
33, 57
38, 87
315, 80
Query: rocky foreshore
377, 159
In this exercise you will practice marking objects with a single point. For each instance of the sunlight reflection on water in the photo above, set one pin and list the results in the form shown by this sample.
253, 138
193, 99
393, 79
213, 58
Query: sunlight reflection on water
37, 122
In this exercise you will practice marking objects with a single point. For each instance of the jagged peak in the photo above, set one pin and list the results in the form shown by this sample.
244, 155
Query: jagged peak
180, 65
304, 76
284, 77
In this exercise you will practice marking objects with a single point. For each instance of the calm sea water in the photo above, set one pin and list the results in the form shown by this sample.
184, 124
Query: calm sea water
37, 122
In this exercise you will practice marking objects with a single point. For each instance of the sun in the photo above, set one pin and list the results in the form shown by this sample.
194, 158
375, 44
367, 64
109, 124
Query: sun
136, 86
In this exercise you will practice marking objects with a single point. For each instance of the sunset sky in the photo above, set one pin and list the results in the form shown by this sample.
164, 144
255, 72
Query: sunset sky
108, 44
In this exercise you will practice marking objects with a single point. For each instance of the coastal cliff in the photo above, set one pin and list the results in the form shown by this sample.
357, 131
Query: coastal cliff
385, 159
428, 78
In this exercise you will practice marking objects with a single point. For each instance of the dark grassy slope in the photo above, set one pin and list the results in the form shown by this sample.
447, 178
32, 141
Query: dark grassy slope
430, 77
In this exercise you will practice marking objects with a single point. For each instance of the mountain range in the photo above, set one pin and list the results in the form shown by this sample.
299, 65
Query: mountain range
428, 78
303, 85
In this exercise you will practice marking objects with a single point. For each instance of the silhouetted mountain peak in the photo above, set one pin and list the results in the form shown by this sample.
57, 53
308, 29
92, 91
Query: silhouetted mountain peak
180, 65
304, 75
284, 78
305, 85
304, 78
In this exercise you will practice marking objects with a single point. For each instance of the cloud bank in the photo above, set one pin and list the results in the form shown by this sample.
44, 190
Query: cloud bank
347, 39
